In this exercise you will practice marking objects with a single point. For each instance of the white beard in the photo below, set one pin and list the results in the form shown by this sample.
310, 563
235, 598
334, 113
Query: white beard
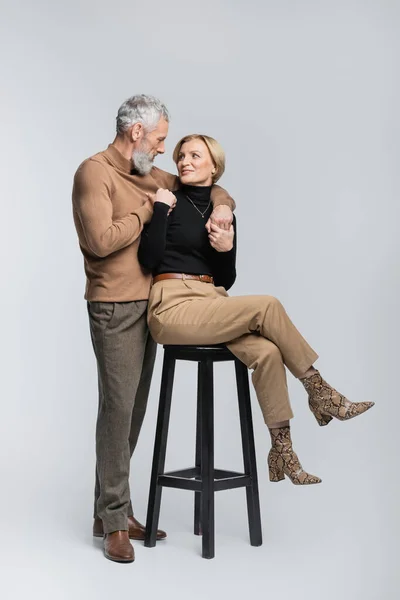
142, 161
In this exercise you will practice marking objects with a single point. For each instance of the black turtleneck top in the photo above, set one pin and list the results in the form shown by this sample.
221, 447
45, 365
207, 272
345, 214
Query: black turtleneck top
179, 243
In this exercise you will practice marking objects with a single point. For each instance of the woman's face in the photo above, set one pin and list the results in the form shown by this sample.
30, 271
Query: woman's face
195, 165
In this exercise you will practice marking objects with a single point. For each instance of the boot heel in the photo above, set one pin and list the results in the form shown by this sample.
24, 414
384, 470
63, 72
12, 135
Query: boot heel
322, 418
275, 475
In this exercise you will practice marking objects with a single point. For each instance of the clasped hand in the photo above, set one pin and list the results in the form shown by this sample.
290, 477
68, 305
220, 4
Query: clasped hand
220, 229
164, 196
220, 239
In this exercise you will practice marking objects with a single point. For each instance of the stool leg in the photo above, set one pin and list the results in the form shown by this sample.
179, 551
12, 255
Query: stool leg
249, 454
197, 495
207, 458
160, 446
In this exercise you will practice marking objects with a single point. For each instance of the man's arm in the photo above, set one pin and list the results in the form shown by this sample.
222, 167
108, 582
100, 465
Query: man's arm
219, 197
165, 180
91, 199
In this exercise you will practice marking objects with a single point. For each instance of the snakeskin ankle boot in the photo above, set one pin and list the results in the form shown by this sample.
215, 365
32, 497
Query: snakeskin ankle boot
325, 402
282, 460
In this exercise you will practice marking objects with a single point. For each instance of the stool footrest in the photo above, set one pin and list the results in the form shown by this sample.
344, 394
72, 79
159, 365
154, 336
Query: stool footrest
189, 473
232, 482
182, 483
190, 479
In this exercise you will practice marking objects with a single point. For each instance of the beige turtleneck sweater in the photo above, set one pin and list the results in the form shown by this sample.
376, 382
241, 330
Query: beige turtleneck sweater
110, 208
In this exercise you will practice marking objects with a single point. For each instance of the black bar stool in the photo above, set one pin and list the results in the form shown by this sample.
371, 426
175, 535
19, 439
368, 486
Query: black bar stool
203, 478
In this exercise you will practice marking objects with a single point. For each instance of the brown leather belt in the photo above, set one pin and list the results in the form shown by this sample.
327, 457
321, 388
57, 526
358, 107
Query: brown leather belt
203, 278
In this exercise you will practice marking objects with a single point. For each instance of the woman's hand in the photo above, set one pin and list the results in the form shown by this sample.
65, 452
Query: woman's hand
221, 240
164, 196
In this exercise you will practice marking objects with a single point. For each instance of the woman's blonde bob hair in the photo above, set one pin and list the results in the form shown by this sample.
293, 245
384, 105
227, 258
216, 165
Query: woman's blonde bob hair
215, 149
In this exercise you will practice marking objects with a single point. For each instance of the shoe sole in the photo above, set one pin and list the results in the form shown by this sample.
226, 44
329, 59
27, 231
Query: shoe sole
137, 539
119, 560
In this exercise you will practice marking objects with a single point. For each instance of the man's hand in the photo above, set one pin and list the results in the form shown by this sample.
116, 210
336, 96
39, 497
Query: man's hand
220, 239
222, 216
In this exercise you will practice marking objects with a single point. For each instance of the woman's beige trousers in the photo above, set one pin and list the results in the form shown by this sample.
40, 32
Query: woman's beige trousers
256, 329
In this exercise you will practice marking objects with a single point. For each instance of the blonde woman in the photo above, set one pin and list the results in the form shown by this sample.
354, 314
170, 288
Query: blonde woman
193, 266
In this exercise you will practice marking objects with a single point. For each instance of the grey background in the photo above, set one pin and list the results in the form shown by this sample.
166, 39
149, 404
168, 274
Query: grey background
304, 97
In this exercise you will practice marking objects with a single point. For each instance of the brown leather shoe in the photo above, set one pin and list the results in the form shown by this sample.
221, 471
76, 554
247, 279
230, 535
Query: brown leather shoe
136, 530
117, 547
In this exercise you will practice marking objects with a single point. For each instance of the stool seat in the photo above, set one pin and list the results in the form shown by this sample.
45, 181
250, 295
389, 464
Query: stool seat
217, 352
204, 479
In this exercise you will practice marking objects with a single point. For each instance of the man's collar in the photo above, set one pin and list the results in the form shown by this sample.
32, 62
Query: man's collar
119, 161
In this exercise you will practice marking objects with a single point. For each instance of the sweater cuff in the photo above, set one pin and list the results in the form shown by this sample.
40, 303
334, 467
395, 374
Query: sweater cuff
161, 208
225, 255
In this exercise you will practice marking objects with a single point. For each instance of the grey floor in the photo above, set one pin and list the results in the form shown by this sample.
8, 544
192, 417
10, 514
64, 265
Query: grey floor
335, 540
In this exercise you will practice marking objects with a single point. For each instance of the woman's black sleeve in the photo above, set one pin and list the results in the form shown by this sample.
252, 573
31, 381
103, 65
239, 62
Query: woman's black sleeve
153, 238
224, 264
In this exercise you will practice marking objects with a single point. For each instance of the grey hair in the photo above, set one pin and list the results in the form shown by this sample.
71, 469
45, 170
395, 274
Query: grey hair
140, 109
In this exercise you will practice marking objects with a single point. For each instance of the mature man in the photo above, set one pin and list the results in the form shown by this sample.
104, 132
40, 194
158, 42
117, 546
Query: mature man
113, 196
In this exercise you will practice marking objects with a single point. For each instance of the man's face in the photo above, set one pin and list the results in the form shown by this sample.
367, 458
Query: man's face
153, 142
147, 148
